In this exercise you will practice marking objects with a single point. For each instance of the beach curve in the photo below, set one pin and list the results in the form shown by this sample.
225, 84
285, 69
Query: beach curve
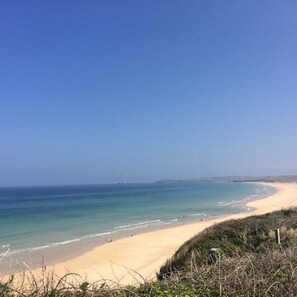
132, 259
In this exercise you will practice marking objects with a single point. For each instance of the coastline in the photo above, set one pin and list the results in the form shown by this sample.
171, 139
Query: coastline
146, 252
52, 251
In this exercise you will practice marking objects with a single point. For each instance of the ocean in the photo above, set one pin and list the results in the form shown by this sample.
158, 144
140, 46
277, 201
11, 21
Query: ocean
41, 218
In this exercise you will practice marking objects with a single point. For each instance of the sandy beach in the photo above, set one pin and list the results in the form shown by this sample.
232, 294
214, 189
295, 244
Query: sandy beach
145, 253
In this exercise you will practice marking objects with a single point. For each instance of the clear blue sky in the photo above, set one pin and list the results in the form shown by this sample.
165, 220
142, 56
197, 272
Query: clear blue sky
110, 91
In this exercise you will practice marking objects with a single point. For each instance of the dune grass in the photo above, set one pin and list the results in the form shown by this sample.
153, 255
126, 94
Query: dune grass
254, 234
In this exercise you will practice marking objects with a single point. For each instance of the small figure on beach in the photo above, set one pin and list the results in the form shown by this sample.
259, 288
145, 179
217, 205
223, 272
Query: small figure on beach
109, 240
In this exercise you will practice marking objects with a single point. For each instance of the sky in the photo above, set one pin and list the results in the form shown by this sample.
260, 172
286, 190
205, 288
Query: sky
137, 91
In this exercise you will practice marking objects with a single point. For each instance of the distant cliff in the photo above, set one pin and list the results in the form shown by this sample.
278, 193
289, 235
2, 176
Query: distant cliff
272, 179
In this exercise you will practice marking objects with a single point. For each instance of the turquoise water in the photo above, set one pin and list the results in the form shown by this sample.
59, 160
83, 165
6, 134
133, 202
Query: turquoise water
33, 218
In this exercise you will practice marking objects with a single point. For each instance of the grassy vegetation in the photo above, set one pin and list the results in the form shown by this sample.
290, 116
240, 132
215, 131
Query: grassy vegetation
250, 263
235, 238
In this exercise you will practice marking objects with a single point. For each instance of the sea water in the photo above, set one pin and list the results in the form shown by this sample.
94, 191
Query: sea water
35, 218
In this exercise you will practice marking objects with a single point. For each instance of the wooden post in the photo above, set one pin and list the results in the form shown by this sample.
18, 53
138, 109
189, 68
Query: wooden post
277, 236
42, 266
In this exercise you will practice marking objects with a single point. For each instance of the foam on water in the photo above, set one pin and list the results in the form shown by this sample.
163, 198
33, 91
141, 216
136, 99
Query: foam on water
138, 224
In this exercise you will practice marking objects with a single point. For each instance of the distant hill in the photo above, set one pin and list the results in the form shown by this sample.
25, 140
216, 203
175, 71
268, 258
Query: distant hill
272, 179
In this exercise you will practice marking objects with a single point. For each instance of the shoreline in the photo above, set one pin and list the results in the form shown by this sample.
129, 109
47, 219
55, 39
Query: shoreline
147, 251
56, 253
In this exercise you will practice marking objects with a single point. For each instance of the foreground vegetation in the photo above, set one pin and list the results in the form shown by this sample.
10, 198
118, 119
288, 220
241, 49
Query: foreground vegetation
248, 262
